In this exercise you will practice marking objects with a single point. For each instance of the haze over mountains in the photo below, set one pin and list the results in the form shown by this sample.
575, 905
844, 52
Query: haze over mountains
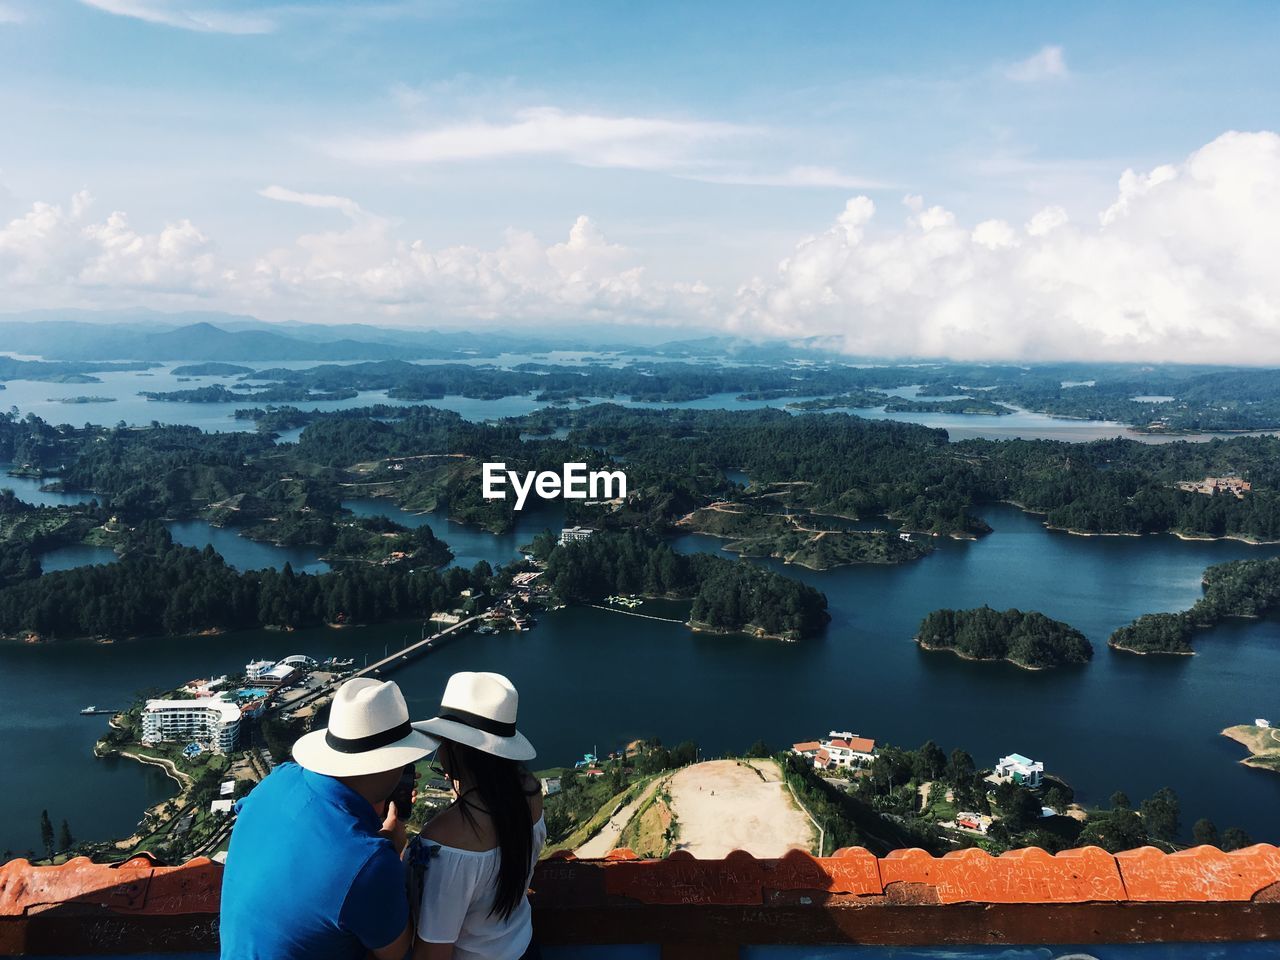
145, 335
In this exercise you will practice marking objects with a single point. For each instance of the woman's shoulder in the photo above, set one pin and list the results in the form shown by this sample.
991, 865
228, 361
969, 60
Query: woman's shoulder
450, 828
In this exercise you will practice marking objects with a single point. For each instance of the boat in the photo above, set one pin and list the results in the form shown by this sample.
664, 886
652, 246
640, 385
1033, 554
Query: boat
89, 711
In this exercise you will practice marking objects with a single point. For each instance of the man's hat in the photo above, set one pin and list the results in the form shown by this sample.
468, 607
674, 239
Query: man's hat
368, 732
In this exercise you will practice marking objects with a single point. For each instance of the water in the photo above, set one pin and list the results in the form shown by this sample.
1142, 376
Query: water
470, 544
45, 400
28, 490
593, 678
75, 555
243, 553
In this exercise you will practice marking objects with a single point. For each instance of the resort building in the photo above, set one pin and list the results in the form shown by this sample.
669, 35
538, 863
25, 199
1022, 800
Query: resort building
254, 671
575, 534
1235, 486
1020, 769
839, 749
205, 720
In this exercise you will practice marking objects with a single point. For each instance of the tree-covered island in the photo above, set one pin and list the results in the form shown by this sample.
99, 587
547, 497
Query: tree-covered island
1028, 639
1241, 588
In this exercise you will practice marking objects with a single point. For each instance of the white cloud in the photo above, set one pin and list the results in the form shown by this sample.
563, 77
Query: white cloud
186, 16
1180, 268
648, 143
1047, 63
57, 250
582, 278
321, 201
11, 14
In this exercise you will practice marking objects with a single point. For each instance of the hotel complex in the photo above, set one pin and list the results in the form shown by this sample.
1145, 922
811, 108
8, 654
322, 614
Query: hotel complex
204, 720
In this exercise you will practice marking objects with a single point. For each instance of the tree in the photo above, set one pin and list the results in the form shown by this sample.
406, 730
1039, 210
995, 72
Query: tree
1118, 830
1056, 798
1204, 832
1120, 801
1233, 838
759, 749
1019, 808
65, 840
46, 832
930, 761
1160, 814
960, 768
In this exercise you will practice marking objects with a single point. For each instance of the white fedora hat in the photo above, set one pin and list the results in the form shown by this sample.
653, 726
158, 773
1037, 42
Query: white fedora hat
368, 732
479, 710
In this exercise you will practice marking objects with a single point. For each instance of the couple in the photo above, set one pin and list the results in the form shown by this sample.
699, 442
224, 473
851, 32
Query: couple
318, 858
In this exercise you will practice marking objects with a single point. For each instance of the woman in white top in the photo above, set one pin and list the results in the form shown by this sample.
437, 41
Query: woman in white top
473, 862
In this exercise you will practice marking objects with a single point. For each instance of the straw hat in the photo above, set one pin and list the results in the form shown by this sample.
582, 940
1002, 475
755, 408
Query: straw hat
479, 710
368, 732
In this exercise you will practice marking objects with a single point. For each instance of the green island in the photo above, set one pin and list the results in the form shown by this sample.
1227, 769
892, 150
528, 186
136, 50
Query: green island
80, 371
727, 597
82, 399
1028, 639
1241, 588
211, 368
971, 406
809, 541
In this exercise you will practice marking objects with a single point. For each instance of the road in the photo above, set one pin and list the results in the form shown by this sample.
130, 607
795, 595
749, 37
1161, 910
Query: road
607, 839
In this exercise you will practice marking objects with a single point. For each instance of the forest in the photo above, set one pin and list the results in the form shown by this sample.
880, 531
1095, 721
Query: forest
728, 596
1241, 588
1029, 639
159, 588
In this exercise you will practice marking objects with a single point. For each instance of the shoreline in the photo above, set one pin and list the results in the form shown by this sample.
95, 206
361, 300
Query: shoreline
1204, 538
971, 659
1150, 653
1237, 733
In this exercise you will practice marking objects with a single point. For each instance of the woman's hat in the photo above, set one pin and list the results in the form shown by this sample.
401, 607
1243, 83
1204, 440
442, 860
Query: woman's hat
368, 732
479, 710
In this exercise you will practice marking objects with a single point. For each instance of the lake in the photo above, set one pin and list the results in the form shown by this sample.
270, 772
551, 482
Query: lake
593, 679
48, 401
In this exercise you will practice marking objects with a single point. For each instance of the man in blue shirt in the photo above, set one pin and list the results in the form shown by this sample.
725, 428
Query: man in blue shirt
314, 868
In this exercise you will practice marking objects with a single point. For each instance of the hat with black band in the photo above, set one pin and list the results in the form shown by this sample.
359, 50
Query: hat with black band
368, 732
479, 710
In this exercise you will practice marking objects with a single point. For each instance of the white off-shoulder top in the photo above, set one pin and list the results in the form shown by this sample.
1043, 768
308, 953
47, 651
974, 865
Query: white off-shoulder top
457, 893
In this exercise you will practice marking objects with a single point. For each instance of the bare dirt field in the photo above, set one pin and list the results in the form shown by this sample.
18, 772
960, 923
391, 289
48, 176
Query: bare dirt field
726, 805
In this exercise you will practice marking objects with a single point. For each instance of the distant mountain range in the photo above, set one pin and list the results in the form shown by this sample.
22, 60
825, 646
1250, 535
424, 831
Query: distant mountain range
80, 335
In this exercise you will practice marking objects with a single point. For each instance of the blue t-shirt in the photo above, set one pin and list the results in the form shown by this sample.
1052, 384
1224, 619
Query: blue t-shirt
307, 875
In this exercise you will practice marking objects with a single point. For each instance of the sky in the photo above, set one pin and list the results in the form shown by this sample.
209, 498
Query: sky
980, 181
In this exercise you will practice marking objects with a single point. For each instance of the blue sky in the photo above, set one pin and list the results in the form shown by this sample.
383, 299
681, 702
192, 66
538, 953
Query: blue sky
416, 161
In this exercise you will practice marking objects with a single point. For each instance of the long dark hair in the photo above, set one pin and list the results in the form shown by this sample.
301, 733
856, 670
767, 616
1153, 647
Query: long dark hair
503, 794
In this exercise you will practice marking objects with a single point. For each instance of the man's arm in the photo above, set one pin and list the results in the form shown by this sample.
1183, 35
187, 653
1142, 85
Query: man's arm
398, 949
376, 906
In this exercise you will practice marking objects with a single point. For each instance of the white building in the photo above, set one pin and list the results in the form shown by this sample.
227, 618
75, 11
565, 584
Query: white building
575, 534
838, 749
255, 670
1020, 769
206, 720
